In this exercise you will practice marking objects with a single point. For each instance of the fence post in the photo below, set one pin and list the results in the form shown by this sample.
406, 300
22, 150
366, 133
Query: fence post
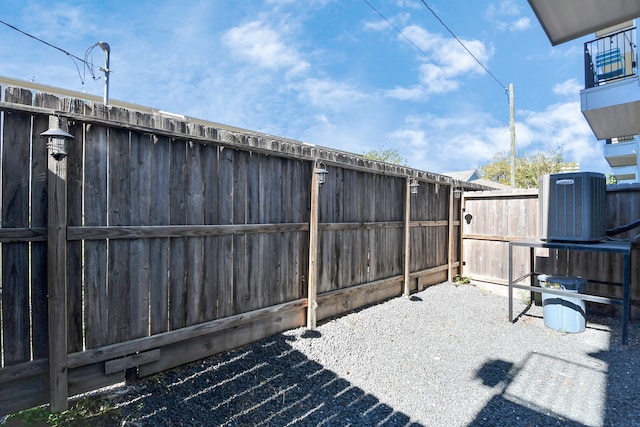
407, 237
450, 253
57, 276
312, 290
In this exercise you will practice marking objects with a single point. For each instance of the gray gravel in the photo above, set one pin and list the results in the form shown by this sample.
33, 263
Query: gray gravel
447, 356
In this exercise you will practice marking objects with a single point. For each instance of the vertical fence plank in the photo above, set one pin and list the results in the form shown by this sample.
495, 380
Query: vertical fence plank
95, 251
362, 192
2, 159
119, 264
15, 214
275, 262
326, 214
345, 238
226, 249
178, 253
241, 291
75, 161
286, 257
195, 245
255, 280
140, 194
159, 247
212, 260
301, 194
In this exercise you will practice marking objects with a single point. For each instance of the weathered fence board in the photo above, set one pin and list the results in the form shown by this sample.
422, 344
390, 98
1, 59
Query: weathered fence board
194, 206
241, 291
177, 246
15, 214
119, 321
39, 218
94, 188
27, 388
75, 335
140, 193
211, 256
225, 264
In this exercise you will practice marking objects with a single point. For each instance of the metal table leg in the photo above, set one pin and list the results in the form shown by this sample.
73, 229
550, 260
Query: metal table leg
510, 282
626, 297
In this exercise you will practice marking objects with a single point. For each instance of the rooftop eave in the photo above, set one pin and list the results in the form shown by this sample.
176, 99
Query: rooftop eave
567, 20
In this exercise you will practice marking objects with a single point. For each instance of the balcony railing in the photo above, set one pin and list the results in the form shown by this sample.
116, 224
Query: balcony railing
621, 139
610, 58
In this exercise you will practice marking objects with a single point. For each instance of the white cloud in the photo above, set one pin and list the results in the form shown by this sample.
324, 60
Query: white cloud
448, 62
446, 143
420, 37
61, 21
569, 87
436, 79
505, 15
504, 8
411, 137
263, 46
320, 3
520, 24
406, 94
329, 94
563, 126
470, 139
380, 25
458, 61
407, 3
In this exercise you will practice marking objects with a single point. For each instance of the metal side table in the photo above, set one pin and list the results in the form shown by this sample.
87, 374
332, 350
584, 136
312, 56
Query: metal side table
623, 248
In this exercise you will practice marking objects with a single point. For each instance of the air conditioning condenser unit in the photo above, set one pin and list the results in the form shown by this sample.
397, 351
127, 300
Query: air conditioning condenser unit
571, 207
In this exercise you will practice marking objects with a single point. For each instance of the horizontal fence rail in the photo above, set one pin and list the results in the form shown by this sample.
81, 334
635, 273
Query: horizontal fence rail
175, 241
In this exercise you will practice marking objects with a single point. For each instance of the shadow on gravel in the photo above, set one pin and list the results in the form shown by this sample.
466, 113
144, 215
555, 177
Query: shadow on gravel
542, 390
623, 387
267, 383
548, 390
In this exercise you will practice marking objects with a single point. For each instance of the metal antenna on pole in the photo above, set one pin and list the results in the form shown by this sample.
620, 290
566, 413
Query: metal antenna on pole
512, 131
107, 52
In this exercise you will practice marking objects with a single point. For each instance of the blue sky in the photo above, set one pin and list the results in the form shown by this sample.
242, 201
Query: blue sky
328, 72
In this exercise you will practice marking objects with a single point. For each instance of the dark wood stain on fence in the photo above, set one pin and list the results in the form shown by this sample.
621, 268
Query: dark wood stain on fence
119, 321
39, 194
185, 240
15, 214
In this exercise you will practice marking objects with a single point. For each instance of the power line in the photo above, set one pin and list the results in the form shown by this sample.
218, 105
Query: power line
87, 64
402, 34
502, 85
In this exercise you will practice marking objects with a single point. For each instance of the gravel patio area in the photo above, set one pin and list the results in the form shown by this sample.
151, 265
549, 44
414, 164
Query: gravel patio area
447, 356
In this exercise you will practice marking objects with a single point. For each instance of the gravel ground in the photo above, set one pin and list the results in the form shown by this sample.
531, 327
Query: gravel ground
447, 356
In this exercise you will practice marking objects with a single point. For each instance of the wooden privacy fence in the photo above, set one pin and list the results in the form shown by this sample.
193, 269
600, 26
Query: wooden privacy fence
492, 219
157, 242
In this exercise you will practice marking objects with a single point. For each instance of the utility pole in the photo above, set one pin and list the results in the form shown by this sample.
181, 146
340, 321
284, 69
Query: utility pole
512, 131
107, 52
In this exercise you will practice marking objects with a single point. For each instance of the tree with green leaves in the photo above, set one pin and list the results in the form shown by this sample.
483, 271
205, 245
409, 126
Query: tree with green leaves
387, 155
529, 167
